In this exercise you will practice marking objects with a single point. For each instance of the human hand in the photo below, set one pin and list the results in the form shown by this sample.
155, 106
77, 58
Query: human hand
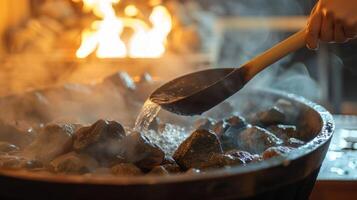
332, 21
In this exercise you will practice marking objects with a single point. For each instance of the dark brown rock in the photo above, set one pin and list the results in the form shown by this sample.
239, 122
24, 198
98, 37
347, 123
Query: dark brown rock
18, 162
284, 132
217, 160
13, 135
236, 121
126, 169
53, 140
172, 168
193, 171
168, 160
159, 170
288, 133
196, 149
244, 156
74, 163
101, 140
230, 138
276, 151
220, 127
6, 147
255, 140
270, 117
139, 150
293, 142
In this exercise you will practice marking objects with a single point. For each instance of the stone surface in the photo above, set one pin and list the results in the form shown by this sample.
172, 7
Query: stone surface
276, 151
196, 149
139, 150
73, 163
256, 140
53, 140
101, 140
126, 169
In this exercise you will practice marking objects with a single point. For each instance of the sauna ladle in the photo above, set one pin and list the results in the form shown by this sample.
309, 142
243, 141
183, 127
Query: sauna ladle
200, 91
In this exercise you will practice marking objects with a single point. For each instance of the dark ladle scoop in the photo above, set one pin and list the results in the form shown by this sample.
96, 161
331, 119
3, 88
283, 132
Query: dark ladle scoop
200, 91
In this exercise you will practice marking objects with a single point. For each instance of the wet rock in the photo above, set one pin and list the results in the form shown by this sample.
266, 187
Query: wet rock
193, 171
172, 168
53, 140
126, 169
73, 163
236, 121
220, 127
276, 151
196, 149
12, 162
288, 133
13, 135
6, 147
205, 123
243, 156
101, 140
34, 165
168, 160
217, 160
293, 142
18, 162
270, 117
230, 138
255, 140
284, 132
139, 150
159, 170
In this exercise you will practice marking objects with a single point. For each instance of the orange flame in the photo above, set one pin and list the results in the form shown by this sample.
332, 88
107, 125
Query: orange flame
104, 36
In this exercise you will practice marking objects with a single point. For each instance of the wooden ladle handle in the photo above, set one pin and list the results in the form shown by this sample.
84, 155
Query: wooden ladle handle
275, 53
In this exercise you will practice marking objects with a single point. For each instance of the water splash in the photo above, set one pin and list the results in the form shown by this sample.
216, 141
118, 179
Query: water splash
146, 116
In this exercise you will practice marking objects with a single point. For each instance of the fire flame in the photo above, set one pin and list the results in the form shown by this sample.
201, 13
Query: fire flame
104, 36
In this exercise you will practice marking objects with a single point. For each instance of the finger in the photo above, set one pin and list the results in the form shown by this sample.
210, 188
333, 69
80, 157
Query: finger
327, 27
339, 34
313, 30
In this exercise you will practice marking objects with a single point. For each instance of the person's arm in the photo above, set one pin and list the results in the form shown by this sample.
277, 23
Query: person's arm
332, 21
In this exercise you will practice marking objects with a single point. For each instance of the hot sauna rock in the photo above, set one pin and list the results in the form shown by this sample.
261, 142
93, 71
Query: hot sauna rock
106, 147
74, 163
101, 140
6, 147
18, 162
15, 136
288, 133
139, 150
197, 149
256, 140
270, 117
159, 170
276, 151
53, 140
243, 156
126, 169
